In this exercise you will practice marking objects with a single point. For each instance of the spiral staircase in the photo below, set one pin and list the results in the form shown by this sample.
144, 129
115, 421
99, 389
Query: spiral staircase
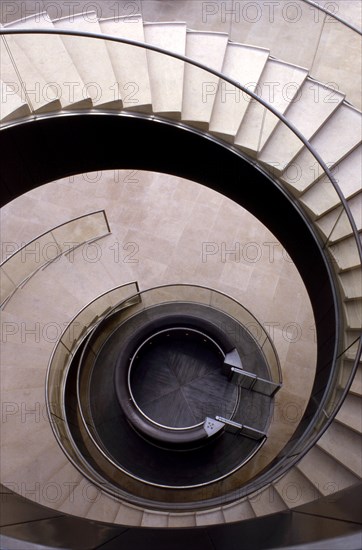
123, 118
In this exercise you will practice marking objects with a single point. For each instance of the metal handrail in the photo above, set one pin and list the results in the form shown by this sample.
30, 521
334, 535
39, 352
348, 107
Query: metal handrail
333, 15
254, 96
202, 66
53, 229
92, 325
61, 253
89, 331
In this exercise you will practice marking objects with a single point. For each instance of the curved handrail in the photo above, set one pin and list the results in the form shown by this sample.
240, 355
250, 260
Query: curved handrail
271, 109
91, 325
218, 74
135, 298
60, 251
53, 229
334, 15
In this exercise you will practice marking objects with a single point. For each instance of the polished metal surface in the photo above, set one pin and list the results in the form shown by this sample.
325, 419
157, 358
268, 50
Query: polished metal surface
175, 379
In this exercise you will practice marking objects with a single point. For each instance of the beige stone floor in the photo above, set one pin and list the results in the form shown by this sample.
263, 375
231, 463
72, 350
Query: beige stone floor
162, 226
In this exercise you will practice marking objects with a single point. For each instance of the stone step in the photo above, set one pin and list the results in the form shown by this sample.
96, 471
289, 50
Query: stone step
345, 254
356, 387
104, 507
316, 104
92, 60
345, 373
347, 174
267, 501
186, 519
335, 224
244, 64
129, 63
48, 54
321, 198
35, 478
154, 519
238, 511
12, 105
350, 414
337, 138
279, 85
353, 313
209, 517
33, 87
128, 515
295, 489
326, 474
22, 414
65, 480
166, 73
83, 495
337, 42
344, 445
351, 346
31, 456
351, 282
199, 86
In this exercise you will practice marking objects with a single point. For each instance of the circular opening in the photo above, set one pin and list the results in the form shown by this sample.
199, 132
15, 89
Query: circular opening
176, 380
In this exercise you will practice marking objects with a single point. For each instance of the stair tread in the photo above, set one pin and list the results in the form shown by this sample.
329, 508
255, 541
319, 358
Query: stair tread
154, 519
352, 283
324, 472
91, 59
335, 224
129, 63
279, 85
166, 73
350, 414
32, 81
336, 139
309, 113
244, 64
344, 445
186, 519
238, 511
66, 479
356, 387
267, 501
42, 54
12, 105
295, 489
345, 253
128, 515
347, 173
209, 517
103, 508
209, 49
83, 496
320, 198
353, 313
